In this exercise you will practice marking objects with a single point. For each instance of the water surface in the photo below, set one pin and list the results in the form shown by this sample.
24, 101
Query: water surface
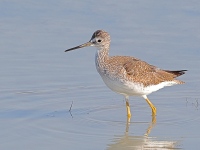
39, 83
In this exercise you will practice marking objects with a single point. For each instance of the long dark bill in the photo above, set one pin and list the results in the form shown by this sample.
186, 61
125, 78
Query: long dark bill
80, 46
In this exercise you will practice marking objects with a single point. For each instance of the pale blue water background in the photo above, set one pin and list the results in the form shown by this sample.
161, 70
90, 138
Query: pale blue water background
39, 82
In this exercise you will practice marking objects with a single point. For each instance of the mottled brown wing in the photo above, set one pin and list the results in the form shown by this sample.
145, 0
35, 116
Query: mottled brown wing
135, 66
140, 71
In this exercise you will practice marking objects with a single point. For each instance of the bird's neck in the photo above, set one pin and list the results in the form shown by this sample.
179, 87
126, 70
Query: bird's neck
102, 56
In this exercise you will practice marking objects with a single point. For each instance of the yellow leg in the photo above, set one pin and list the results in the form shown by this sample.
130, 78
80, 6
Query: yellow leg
128, 110
152, 124
151, 105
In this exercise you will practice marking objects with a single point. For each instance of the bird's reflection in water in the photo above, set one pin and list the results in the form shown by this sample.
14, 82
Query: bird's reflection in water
143, 142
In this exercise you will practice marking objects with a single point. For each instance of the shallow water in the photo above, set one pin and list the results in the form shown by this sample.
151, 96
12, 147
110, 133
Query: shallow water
55, 100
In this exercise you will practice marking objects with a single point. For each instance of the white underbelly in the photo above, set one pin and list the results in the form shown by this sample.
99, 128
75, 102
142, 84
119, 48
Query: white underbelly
125, 87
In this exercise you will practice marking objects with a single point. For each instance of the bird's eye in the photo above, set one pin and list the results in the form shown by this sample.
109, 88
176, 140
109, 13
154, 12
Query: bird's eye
99, 41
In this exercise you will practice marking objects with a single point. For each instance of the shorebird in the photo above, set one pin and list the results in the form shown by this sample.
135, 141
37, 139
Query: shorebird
127, 75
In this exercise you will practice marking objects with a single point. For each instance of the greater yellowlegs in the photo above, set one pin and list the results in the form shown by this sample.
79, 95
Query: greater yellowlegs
127, 75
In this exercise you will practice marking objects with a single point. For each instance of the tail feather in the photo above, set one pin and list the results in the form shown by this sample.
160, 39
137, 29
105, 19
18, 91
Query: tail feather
179, 82
177, 72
